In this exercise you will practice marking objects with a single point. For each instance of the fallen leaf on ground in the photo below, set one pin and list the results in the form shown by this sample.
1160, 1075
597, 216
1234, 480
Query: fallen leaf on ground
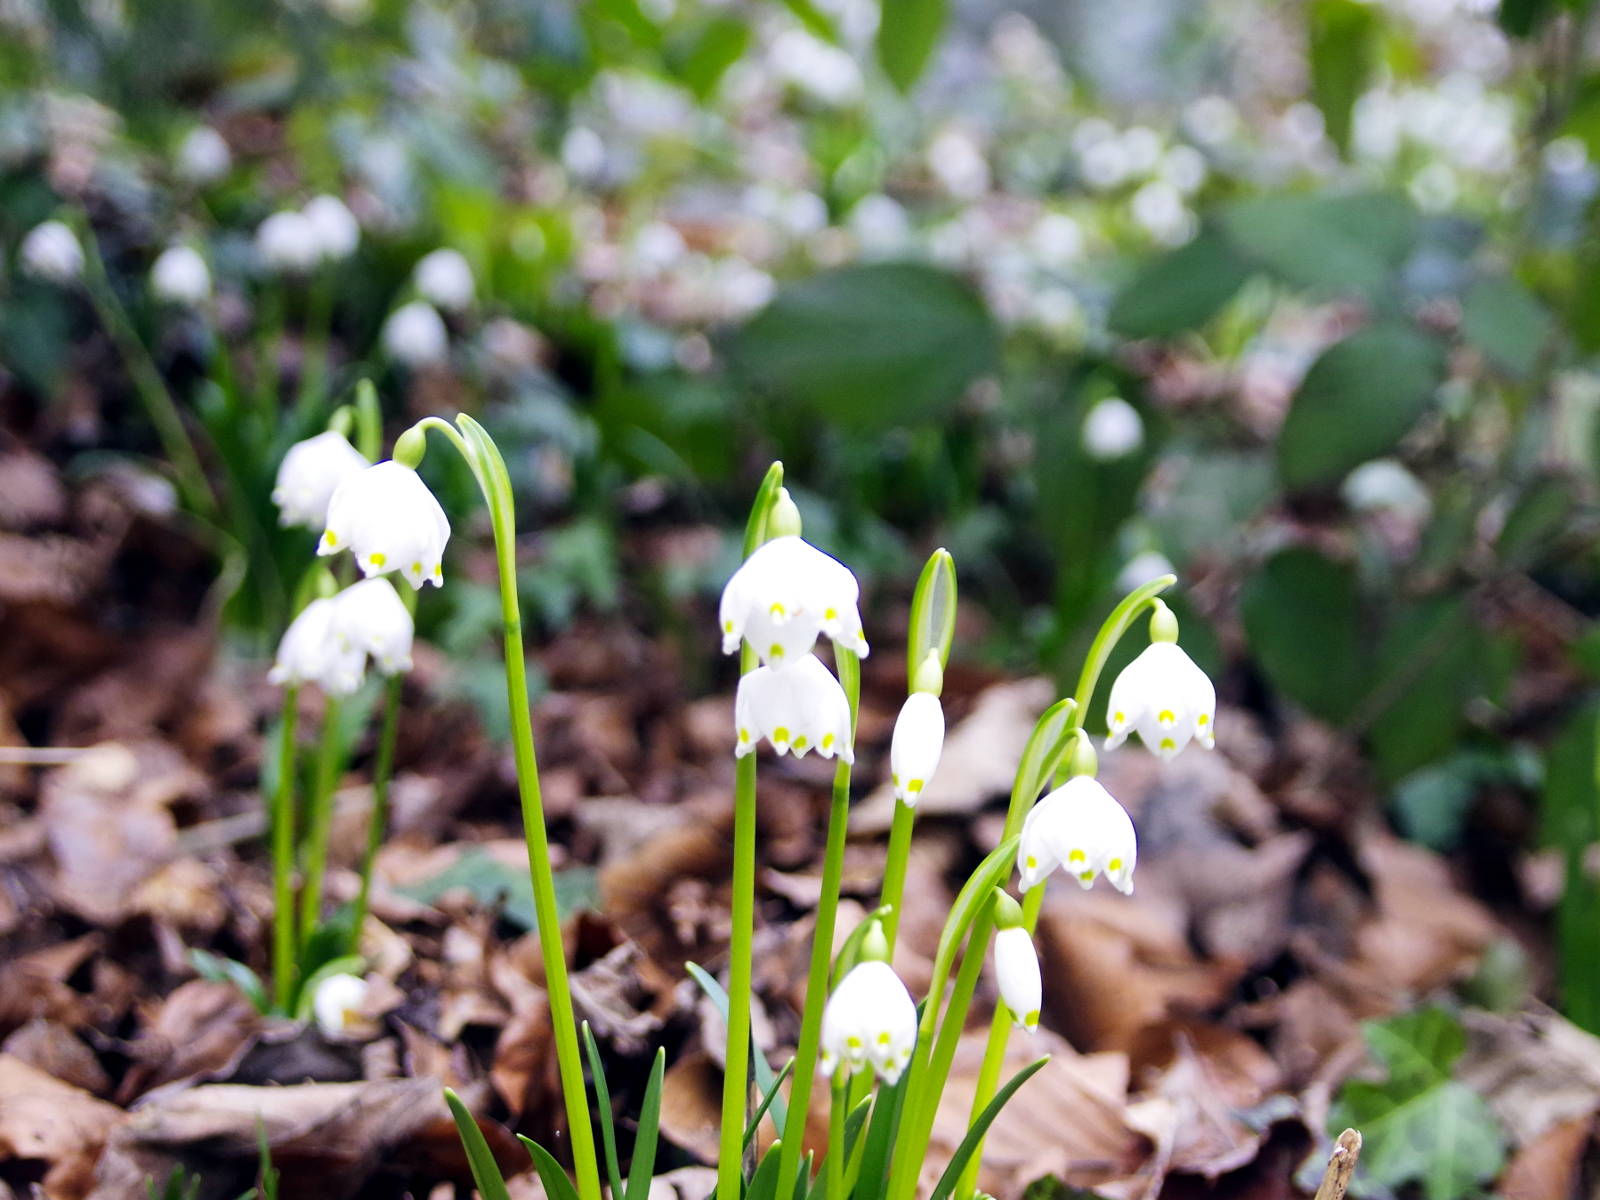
47, 1121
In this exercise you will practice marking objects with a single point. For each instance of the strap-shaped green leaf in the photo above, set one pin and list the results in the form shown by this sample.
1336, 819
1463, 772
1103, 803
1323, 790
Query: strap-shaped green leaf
767, 1100
608, 1132
868, 1175
217, 969
764, 1184
556, 1184
485, 1171
763, 1069
852, 1148
974, 1138
643, 1167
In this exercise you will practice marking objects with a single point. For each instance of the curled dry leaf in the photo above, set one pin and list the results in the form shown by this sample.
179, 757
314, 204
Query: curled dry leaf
202, 1030
46, 1121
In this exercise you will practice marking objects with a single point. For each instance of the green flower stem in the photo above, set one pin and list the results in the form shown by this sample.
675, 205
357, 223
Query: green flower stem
805, 1055
158, 401
320, 820
283, 947
894, 868
735, 1079
378, 821
837, 1111
1120, 620
489, 468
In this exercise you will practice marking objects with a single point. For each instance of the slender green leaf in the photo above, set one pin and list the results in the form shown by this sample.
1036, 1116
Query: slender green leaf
908, 31
218, 969
969, 1144
933, 614
755, 526
767, 1098
602, 1091
556, 1184
765, 1080
643, 1167
764, 1184
485, 1171
873, 1170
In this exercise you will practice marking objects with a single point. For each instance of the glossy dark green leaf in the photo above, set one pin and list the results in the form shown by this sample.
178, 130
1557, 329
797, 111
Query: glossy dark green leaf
1521, 18
1504, 320
1302, 619
1358, 399
1343, 55
1330, 244
1427, 670
869, 346
908, 31
1180, 289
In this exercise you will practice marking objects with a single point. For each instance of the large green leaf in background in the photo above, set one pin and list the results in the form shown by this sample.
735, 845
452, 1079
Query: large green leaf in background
1568, 823
1420, 1125
1504, 320
1180, 289
908, 30
1357, 400
869, 346
1303, 619
1343, 54
1331, 244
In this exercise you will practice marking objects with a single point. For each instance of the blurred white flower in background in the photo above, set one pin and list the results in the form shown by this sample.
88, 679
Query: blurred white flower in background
824, 72
444, 279
1142, 568
203, 156
415, 335
1212, 120
1057, 240
51, 251
1112, 429
287, 243
180, 276
339, 1006
956, 160
1159, 209
583, 153
310, 473
333, 226
880, 225
1385, 485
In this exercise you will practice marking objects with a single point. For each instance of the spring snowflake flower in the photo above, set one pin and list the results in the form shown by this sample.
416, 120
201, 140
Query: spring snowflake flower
1016, 972
869, 1020
203, 156
387, 517
915, 748
287, 243
334, 228
1164, 696
311, 652
415, 335
1081, 827
309, 475
339, 1005
1112, 430
798, 708
51, 252
444, 278
180, 276
371, 617
784, 595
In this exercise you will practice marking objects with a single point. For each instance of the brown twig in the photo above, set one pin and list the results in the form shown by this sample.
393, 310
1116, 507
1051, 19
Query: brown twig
1341, 1165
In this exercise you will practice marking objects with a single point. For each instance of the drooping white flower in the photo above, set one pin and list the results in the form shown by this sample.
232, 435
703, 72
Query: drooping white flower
333, 227
444, 277
1016, 972
50, 251
798, 708
203, 156
310, 473
180, 276
1112, 430
339, 1005
915, 748
311, 652
784, 595
869, 1020
389, 520
1164, 696
286, 242
1081, 827
371, 616
415, 335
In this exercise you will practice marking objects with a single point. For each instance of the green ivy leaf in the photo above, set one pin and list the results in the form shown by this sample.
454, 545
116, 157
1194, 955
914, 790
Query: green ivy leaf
1357, 400
1420, 1125
1302, 616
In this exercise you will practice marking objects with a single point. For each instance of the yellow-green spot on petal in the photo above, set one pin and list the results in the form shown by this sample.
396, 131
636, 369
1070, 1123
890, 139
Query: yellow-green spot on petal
853, 1042
1203, 720
1031, 1019
1120, 719
377, 560
801, 742
777, 609
914, 786
780, 734
1168, 744
831, 614
775, 651
331, 538
1166, 716
1086, 876
827, 741
883, 1038
1032, 862
744, 734
1114, 865
1077, 856
727, 627
416, 568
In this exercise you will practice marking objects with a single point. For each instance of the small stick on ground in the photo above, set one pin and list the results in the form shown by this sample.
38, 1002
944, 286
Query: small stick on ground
1341, 1165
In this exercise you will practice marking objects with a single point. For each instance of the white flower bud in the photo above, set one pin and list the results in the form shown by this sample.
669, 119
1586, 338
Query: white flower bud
869, 1020
180, 276
389, 520
1113, 429
915, 748
334, 228
287, 243
1164, 696
784, 595
415, 335
339, 1006
799, 707
51, 252
1016, 972
203, 156
1079, 826
444, 278
310, 473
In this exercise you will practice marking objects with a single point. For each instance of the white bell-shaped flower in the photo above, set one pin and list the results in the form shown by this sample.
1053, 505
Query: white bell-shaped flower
444, 277
286, 242
415, 335
800, 708
915, 748
51, 251
387, 517
310, 473
333, 226
203, 156
1016, 972
312, 652
786, 593
1166, 698
1078, 826
371, 616
869, 1020
1112, 429
180, 276
339, 1006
